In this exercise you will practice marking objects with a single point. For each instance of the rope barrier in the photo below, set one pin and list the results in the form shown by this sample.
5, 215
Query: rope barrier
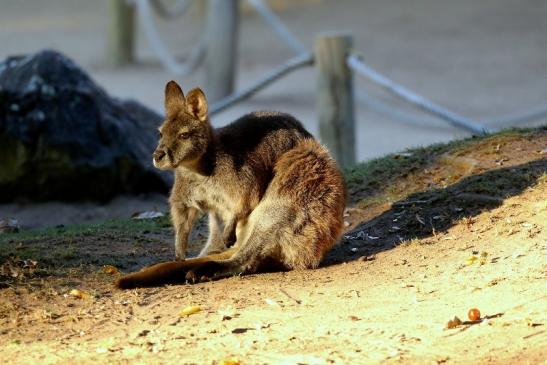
166, 58
197, 55
457, 120
282, 70
279, 27
403, 116
396, 114
176, 11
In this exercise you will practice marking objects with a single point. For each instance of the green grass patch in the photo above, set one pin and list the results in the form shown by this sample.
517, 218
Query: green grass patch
372, 182
82, 230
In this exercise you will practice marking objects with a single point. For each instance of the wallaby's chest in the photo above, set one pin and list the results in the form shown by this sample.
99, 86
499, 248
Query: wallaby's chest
214, 197
210, 194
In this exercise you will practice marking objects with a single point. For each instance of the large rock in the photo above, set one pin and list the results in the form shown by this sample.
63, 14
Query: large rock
62, 136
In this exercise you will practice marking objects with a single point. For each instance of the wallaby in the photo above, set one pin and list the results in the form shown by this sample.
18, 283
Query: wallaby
274, 195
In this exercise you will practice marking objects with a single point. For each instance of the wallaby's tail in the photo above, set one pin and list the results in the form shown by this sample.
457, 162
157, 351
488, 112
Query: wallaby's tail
170, 272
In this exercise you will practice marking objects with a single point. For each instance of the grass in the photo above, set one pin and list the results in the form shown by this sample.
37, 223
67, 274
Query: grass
73, 231
63, 246
375, 181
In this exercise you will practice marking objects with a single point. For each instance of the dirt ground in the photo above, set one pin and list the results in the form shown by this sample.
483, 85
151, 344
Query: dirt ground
464, 230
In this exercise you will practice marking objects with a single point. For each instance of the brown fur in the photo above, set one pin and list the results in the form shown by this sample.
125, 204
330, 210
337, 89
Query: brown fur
271, 190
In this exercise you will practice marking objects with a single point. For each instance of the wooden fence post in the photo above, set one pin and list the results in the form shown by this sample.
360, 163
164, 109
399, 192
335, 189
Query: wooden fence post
121, 33
220, 60
335, 96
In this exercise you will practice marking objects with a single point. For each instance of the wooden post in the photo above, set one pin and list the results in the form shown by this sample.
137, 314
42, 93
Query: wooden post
335, 96
220, 60
121, 33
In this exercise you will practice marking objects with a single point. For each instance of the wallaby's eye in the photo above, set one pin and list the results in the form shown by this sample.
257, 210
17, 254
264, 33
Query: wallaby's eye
159, 133
184, 135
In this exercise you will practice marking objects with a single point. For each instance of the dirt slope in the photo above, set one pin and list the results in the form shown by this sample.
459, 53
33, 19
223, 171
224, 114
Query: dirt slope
451, 228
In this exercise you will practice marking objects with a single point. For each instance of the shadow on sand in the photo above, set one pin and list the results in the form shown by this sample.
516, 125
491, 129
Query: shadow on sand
426, 213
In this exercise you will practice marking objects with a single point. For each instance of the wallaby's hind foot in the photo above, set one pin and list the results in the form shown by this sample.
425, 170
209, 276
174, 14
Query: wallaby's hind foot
212, 270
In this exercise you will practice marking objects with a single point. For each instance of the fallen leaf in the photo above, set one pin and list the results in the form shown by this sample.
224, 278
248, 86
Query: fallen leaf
109, 269
471, 260
453, 323
143, 333
147, 215
229, 361
80, 294
192, 309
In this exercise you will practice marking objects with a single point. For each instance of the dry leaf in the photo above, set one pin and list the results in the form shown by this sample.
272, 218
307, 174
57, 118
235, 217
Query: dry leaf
453, 323
471, 260
147, 215
80, 294
229, 361
192, 309
109, 269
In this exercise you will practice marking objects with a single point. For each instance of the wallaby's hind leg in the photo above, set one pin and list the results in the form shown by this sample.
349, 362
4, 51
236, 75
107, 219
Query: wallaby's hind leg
258, 244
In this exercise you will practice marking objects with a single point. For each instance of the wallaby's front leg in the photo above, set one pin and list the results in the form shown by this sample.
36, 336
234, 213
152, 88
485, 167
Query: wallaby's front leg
222, 235
215, 241
183, 218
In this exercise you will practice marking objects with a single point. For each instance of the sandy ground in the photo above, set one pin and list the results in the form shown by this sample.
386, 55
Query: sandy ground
384, 295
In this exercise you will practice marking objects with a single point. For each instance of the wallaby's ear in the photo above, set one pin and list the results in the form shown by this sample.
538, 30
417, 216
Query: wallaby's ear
174, 98
196, 104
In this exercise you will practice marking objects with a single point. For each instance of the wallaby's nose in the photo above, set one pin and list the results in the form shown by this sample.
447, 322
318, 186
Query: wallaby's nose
159, 155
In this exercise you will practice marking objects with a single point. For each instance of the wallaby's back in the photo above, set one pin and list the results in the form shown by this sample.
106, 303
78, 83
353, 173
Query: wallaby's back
260, 137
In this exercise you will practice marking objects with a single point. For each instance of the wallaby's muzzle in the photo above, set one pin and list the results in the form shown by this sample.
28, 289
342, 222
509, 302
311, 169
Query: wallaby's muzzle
161, 159
159, 155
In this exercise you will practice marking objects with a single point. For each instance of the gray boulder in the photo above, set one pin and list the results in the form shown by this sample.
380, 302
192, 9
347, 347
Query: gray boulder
63, 137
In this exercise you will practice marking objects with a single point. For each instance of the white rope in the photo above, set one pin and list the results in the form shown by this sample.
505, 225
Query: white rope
403, 116
279, 27
455, 119
291, 65
175, 11
166, 58
396, 114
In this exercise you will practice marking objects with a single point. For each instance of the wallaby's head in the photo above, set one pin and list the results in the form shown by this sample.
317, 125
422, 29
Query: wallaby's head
186, 132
